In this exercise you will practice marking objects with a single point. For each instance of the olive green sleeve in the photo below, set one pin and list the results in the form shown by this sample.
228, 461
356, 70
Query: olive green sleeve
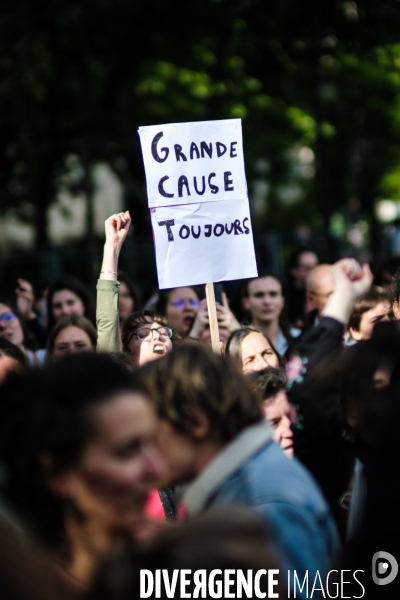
107, 316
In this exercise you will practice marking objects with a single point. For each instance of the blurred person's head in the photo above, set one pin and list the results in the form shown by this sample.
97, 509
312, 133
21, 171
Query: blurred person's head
236, 539
68, 296
72, 333
367, 369
203, 402
146, 336
369, 310
77, 442
271, 385
251, 350
263, 298
370, 399
12, 359
128, 296
300, 263
385, 271
13, 328
125, 360
319, 287
179, 306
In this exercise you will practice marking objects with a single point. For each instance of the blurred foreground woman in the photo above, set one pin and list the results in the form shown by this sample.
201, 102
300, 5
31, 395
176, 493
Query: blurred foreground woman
77, 445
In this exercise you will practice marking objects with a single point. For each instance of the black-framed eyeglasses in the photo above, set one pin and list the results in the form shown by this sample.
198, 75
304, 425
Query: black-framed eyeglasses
146, 333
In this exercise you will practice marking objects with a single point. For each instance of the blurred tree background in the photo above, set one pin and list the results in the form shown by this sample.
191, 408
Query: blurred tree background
317, 85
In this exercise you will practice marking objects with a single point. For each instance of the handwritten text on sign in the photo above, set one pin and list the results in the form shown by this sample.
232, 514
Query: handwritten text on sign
196, 243
193, 162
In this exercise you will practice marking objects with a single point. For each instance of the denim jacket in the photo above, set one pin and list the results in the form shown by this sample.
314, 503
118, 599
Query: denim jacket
252, 471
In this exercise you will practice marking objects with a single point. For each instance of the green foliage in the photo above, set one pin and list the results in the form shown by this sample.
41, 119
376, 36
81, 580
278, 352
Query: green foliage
78, 77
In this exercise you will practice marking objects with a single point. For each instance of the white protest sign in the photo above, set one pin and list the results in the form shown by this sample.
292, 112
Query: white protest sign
193, 162
198, 243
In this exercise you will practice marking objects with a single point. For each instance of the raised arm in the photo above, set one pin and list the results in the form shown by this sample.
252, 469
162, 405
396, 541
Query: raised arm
318, 438
107, 308
352, 281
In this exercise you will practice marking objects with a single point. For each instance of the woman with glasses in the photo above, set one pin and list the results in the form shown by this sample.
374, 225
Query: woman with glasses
143, 335
146, 336
13, 329
180, 306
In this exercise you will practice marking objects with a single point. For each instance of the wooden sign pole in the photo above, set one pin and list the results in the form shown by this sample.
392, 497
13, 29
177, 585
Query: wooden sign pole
213, 319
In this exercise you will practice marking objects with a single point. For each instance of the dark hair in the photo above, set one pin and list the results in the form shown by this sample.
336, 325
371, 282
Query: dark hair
163, 298
374, 297
47, 412
11, 350
268, 382
74, 285
262, 274
124, 360
136, 320
220, 539
192, 378
366, 370
134, 292
283, 324
70, 321
29, 340
233, 347
385, 270
294, 257
377, 419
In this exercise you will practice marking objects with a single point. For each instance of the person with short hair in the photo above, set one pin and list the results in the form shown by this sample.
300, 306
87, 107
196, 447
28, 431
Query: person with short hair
372, 308
213, 436
319, 287
270, 384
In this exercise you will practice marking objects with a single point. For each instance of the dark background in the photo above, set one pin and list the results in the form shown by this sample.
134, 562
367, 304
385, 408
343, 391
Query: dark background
316, 83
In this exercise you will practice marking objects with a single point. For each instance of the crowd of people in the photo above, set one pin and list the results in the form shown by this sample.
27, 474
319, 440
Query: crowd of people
126, 443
